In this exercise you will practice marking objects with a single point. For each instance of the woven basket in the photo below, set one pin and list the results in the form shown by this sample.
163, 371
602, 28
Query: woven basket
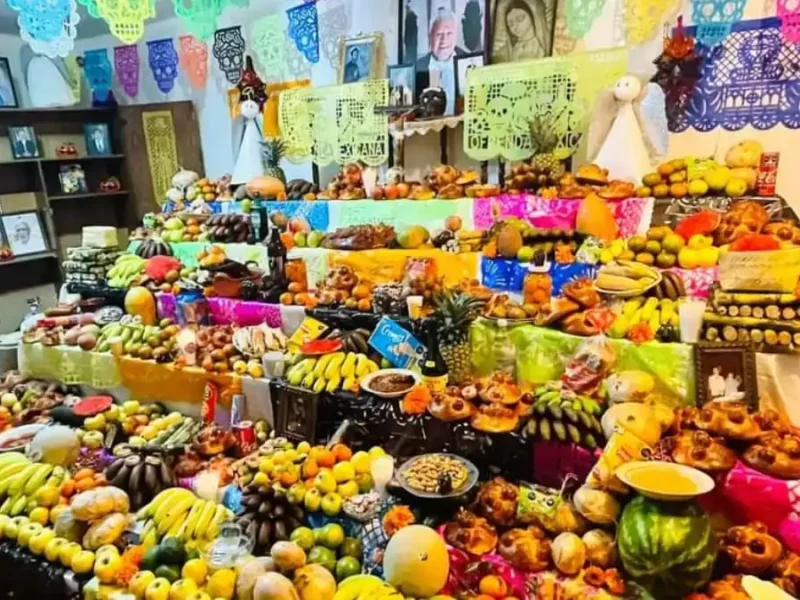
772, 271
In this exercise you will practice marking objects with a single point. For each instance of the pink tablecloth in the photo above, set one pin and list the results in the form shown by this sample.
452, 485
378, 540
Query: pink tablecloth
697, 282
632, 214
228, 310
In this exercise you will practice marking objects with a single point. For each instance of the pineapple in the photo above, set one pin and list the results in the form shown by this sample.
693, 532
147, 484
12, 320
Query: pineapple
453, 314
544, 141
273, 152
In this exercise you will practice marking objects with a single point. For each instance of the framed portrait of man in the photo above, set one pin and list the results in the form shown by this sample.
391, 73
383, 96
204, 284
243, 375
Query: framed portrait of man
24, 144
434, 32
521, 29
360, 58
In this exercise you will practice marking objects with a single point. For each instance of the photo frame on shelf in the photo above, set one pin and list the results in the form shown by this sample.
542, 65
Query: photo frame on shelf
521, 29
8, 93
72, 179
402, 84
295, 411
360, 58
98, 139
463, 64
726, 372
24, 144
24, 233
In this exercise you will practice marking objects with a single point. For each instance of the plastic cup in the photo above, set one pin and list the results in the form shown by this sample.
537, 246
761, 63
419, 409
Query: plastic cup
690, 314
414, 306
274, 363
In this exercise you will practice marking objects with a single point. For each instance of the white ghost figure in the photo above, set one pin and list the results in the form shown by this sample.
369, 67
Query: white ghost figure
628, 133
248, 159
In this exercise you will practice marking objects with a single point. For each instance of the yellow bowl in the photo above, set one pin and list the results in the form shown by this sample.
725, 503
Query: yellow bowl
664, 480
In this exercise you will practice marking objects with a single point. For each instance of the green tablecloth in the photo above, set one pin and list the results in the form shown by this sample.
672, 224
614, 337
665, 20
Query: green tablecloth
187, 252
540, 354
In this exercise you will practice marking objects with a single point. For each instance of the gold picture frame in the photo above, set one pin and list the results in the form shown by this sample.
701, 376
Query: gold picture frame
354, 66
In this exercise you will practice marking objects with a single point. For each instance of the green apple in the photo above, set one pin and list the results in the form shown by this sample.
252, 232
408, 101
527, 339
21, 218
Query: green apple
93, 439
312, 500
331, 504
8, 400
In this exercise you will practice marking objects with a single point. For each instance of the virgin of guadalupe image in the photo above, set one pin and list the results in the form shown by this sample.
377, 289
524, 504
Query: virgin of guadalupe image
521, 32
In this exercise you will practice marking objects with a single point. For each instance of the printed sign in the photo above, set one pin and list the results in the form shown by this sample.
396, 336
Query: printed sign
397, 345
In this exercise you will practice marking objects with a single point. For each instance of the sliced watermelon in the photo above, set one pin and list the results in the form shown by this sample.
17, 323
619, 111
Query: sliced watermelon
93, 405
703, 222
321, 346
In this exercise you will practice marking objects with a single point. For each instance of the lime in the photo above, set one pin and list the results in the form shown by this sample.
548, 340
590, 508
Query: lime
351, 547
347, 566
171, 574
303, 537
325, 557
332, 535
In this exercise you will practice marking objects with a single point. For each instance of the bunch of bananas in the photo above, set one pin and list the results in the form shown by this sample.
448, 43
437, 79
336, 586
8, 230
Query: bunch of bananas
177, 512
561, 414
20, 479
625, 276
331, 372
657, 313
125, 271
366, 587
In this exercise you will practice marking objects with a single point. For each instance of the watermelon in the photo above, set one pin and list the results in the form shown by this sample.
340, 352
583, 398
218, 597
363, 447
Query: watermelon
667, 547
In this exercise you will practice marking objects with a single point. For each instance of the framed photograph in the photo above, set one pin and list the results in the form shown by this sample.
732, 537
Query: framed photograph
522, 29
24, 233
726, 372
402, 84
8, 93
463, 66
72, 179
98, 139
23, 142
295, 412
360, 58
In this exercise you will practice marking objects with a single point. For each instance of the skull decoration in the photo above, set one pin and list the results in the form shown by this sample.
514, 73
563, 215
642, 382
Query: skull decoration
164, 62
433, 102
229, 51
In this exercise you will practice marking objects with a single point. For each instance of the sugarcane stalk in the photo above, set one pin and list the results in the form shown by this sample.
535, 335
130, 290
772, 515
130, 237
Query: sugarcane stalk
712, 334
773, 312
758, 312
789, 313
743, 335
796, 339
722, 310
733, 310
714, 319
784, 338
745, 310
770, 337
729, 333
721, 297
757, 336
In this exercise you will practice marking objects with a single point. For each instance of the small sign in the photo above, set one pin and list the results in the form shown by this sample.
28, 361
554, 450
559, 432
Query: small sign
396, 344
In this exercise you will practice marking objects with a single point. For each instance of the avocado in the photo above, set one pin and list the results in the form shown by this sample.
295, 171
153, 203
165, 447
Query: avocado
150, 559
170, 573
171, 551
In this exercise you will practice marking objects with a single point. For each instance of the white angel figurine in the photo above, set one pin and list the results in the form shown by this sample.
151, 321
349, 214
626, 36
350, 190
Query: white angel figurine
628, 133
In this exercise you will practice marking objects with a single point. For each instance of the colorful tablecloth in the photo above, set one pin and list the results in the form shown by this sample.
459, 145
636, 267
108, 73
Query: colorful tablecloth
539, 354
187, 252
239, 312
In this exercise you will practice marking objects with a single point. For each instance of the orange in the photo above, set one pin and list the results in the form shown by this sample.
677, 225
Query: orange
100, 479
494, 586
287, 299
364, 305
326, 458
84, 484
82, 473
68, 487
288, 240
290, 477
342, 452
310, 468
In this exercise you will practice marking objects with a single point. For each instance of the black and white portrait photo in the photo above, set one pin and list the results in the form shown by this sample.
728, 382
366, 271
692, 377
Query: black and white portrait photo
522, 29
24, 233
402, 85
23, 142
726, 373
98, 140
464, 64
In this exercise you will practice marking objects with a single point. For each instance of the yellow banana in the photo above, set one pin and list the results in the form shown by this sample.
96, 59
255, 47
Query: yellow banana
38, 478
220, 515
177, 526
191, 519
7, 474
18, 505
174, 514
167, 499
20, 478
204, 521
8, 458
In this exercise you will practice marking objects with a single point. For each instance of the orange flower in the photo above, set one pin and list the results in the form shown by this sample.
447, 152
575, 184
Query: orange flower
396, 518
416, 400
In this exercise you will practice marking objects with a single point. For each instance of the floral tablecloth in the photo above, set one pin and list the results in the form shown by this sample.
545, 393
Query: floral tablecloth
187, 252
539, 355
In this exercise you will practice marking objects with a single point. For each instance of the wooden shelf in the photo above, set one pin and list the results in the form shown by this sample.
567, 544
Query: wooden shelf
80, 158
59, 110
28, 258
88, 195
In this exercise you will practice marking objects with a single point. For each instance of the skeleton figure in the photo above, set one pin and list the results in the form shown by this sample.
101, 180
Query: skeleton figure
252, 97
229, 52
628, 132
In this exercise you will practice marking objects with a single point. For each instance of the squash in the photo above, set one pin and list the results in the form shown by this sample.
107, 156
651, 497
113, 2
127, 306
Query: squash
104, 531
249, 574
56, 445
265, 186
569, 553
416, 561
629, 386
639, 419
140, 302
95, 504
597, 506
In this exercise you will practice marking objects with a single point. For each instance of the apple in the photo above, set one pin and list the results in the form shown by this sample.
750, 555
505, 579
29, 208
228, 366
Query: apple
93, 439
106, 566
325, 481
8, 400
312, 500
331, 504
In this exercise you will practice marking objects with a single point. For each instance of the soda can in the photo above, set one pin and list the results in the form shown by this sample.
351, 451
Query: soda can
767, 173
208, 409
245, 433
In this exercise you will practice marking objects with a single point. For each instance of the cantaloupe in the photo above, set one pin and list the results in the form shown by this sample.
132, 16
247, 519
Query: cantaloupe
416, 561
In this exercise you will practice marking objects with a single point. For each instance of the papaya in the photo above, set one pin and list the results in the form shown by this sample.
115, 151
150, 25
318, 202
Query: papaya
139, 301
595, 218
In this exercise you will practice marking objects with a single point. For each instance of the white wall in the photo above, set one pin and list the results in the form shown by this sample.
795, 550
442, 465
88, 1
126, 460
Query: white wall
216, 128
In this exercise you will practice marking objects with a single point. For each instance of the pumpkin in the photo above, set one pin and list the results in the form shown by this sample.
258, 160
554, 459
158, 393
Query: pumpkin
666, 547
265, 186
140, 302
416, 561
637, 418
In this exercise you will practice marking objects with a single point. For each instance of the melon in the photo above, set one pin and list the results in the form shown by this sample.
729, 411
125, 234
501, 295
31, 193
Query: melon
595, 218
92, 405
416, 561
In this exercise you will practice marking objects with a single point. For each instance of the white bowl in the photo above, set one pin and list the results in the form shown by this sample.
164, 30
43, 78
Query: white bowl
665, 473
365, 381
24, 433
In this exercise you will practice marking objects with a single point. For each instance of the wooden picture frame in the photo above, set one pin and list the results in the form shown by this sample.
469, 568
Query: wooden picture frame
726, 372
24, 143
501, 48
352, 64
7, 87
